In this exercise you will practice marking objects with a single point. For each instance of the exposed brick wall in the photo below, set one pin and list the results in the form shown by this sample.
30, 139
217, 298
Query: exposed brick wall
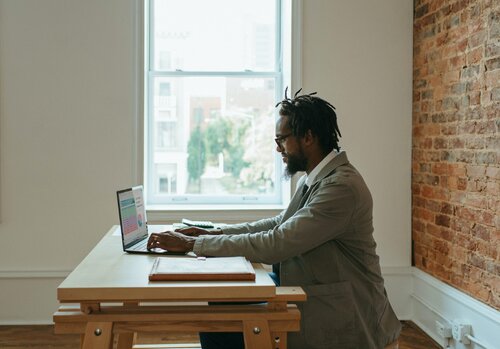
456, 145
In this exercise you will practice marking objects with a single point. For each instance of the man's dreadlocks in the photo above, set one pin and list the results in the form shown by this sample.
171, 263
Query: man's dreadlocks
308, 112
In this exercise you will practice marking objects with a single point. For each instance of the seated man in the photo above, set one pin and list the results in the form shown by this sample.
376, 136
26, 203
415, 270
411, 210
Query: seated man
322, 242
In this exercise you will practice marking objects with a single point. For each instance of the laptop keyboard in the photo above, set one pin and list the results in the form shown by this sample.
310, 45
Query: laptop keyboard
140, 246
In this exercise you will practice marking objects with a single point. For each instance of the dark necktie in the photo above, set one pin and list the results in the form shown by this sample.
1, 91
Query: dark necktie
304, 189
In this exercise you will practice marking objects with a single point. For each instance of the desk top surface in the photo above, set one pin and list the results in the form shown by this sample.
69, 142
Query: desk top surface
108, 274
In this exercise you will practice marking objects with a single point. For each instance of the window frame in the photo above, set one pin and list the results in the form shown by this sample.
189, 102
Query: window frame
289, 55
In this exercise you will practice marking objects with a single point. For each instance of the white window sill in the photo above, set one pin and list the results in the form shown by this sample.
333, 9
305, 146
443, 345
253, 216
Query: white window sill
169, 214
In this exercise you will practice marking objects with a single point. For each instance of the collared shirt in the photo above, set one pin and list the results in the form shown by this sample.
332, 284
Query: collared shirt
311, 178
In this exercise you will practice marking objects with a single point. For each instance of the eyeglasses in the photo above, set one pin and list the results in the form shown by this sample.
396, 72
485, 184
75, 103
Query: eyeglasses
280, 139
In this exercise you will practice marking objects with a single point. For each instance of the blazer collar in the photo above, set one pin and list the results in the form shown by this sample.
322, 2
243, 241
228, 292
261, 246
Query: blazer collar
339, 160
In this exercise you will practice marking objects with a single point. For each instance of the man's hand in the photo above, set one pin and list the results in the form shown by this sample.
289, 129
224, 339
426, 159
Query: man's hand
194, 231
171, 241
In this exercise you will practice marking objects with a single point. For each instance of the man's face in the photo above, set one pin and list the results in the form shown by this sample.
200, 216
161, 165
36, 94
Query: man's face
290, 148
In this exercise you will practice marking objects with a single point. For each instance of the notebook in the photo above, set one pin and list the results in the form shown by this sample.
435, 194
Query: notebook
202, 269
133, 222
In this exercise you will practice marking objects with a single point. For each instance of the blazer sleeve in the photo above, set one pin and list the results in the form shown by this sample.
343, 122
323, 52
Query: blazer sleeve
252, 227
325, 216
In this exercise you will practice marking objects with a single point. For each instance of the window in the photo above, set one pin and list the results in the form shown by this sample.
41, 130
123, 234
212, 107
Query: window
214, 75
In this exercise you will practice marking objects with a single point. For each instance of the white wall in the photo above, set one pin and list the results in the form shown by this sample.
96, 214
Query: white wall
67, 127
67, 113
358, 55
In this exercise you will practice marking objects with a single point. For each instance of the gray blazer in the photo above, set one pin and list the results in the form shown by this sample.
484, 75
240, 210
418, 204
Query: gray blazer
324, 243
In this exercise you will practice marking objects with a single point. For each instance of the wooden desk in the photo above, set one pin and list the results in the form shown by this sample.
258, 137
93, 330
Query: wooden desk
114, 296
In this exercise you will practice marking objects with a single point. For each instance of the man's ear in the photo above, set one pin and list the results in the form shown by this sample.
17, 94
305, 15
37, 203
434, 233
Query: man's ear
309, 138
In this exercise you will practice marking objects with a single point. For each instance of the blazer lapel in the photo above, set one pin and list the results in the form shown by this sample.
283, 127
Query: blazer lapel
296, 202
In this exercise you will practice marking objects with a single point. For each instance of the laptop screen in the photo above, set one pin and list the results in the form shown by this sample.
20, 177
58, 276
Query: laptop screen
132, 214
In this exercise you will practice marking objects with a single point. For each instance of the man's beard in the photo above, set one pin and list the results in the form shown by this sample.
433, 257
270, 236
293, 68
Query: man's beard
295, 163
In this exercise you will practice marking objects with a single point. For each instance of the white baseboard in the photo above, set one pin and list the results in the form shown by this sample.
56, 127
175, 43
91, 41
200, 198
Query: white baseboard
434, 300
28, 297
34, 274
399, 286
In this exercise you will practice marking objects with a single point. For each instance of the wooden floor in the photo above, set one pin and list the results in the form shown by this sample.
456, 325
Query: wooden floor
42, 337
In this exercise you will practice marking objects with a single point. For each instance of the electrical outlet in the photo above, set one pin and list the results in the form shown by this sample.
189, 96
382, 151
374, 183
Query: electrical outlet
443, 329
460, 331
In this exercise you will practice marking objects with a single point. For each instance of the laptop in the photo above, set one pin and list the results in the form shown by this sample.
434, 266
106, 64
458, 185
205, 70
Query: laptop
133, 222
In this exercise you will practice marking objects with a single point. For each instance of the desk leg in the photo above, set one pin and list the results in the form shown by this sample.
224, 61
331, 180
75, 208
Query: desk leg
256, 334
126, 340
98, 335
279, 340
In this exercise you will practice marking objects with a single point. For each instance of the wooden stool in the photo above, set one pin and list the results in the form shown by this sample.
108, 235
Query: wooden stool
393, 345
